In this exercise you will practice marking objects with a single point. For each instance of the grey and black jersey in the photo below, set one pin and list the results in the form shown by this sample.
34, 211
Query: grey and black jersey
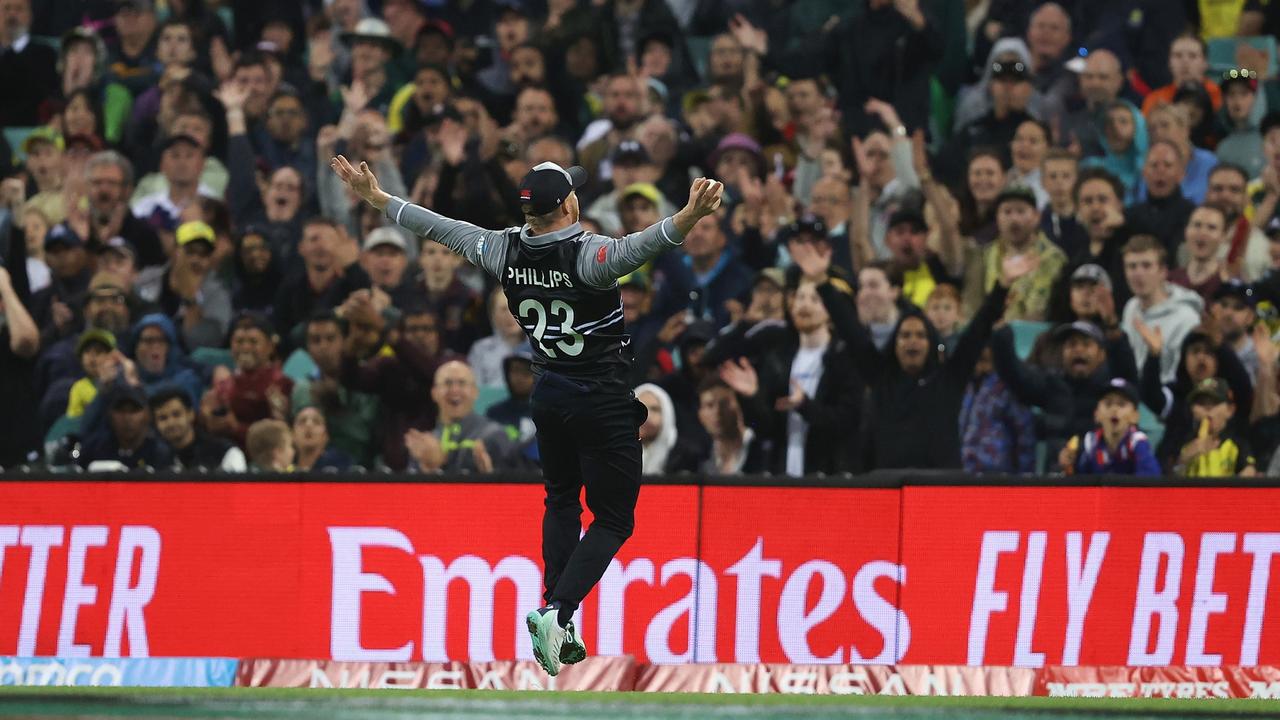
562, 287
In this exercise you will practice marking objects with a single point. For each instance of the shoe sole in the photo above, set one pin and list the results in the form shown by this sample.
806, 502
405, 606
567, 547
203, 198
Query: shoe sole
571, 654
531, 620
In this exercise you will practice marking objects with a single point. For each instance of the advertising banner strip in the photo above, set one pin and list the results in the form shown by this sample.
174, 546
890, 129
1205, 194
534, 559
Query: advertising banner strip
397, 573
118, 672
598, 673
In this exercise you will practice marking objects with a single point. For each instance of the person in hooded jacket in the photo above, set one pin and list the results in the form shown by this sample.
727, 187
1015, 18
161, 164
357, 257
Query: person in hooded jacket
797, 384
915, 395
1201, 358
661, 447
153, 345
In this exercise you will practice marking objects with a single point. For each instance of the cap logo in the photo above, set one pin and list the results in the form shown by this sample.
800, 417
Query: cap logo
526, 195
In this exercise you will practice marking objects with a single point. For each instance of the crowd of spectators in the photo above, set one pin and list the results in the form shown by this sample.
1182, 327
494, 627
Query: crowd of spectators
993, 235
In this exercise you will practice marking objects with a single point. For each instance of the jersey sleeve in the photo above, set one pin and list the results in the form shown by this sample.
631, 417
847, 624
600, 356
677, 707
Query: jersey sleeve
486, 249
603, 259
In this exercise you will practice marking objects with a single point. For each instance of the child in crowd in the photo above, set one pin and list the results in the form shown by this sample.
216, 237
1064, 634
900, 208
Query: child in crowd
94, 350
943, 311
1117, 446
270, 446
1217, 451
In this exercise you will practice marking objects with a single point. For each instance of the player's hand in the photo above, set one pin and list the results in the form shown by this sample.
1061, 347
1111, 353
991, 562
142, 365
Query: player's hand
704, 197
361, 181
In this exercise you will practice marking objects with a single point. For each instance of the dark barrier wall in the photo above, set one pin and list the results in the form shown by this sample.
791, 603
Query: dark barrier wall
926, 569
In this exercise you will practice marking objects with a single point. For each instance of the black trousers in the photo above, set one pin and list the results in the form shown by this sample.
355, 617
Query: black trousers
587, 436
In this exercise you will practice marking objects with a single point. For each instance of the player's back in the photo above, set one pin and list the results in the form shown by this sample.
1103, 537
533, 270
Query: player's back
576, 330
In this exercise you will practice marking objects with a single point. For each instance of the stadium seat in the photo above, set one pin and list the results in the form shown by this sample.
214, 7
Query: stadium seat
62, 427
14, 136
1025, 333
489, 396
1222, 53
213, 357
1150, 424
299, 366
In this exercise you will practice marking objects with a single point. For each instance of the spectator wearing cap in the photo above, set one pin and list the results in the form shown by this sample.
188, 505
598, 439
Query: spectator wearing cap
187, 290
1101, 85
922, 267
1156, 303
1090, 297
119, 431
45, 164
1248, 253
1188, 64
831, 207
1009, 59
631, 164
1011, 93
646, 328
94, 350
1233, 309
181, 163
1115, 446
174, 414
1163, 212
155, 347
255, 389
1241, 120
110, 177
1205, 268
19, 345
69, 269
27, 69
350, 417
638, 207
1017, 221
1171, 123
703, 275
1219, 448
372, 50
1067, 395
487, 354
132, 57
385, 259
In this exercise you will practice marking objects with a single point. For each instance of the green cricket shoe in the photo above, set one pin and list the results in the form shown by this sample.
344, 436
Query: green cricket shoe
548, 638
573, 650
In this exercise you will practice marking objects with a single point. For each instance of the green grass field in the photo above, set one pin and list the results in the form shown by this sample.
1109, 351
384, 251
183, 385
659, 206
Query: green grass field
288, 703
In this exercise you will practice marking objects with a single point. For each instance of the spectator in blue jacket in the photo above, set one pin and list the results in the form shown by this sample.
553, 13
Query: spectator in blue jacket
997, 433
1116, 446
161, 361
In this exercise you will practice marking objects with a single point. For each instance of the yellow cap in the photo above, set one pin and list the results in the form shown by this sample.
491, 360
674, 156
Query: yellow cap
194, 230
644, 190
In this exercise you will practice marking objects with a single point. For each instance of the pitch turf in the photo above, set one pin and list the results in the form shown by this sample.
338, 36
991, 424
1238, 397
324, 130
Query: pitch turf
289, 704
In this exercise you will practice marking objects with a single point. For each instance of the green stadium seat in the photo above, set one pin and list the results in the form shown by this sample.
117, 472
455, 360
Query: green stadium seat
489, 396
1150, 424
299, 366
14, 136
1025, 333
213, 357
699, 52
1222, 53
62, 427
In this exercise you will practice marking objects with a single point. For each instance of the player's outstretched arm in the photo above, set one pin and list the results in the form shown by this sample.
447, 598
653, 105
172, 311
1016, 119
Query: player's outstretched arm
604, 260
483, 248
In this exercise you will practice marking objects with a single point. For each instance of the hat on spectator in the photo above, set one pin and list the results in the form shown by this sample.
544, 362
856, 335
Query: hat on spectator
1009, 70
547, 185
630, 152
441, 112
645, 190
375, 31
698, 332
43, 134
103, 280
908, 214
516, 6
635, 279
195, 231
1091, 273
139, 5
437, 26
180, 139
1242, 76
62, 234
122, 394
774, 275
1079, 327
1210, 390
1236, 289
1120, 386
808, 223
89, 142
119, 246
386, 236
95, 336
522, 353
735, 141
1012, 193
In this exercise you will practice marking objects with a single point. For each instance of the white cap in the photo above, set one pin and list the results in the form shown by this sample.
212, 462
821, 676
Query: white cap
385, 236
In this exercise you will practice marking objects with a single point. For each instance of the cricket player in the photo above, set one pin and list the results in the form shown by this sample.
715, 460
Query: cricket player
561, 285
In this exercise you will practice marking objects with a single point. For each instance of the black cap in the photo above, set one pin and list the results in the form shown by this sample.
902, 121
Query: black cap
180, 139
547, 185
699, 332
1120, 386
630, 152
808, 223
1211, 390
1244, 76
1079, 327
908, 215
1016, 192
126, 394
441, 112
1236, 289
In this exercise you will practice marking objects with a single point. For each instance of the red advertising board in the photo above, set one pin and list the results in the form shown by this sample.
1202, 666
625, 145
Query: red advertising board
441, 572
